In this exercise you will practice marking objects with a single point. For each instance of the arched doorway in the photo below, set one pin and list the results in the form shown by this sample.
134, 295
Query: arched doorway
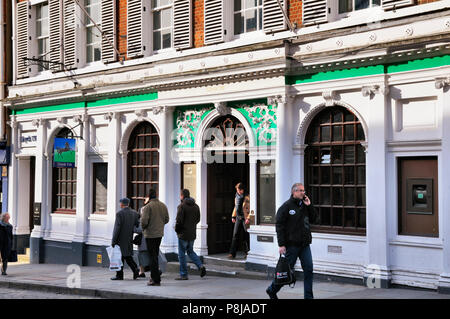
335, 171
143, 163
226, 152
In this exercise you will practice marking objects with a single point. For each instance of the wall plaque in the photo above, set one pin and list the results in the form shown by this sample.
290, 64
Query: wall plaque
37, 214
267, 239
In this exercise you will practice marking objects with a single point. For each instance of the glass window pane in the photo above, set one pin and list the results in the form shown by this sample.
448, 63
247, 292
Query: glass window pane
101, 184
325, 216
266, 196
74, 202
237, 5
74, 188
166, 18
315, 175
349, 117
361, 217
337, 133
156, 20
337, 196
63, 188
361, 174
250, 20
349, 154
324, 196
337, 117
238, 23
97, 52
361, 154
337, 216
325, 117
155, 141
349, 134
325, 175
361, 4
349, 217
337, 175
155, 174
336, 152
349, 196
166, 39
63, 202
325, 133
349, 175
345, 6
157, 40
315, 155
361, 196
360, 133
315, 195
155, 158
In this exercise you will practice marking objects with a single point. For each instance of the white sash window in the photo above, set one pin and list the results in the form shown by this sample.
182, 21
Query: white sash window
162, 11
42, 34
248, 16
93, 35
355, 5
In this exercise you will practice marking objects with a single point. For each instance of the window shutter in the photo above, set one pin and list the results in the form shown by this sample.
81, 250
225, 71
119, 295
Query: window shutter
214, 21
182, 24
23, 18
315, 11
108, 28
273, 17
70, 57
55, 25
135, 12
391, 4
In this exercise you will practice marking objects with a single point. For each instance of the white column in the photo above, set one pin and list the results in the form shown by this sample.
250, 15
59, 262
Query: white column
376, 211
283, 159
166, 174
114, 178
444, 187
13, 178
40, 179
22, 223
201, 243
83, 182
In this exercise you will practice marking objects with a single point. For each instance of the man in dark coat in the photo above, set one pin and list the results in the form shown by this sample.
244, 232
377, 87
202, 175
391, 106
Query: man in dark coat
6, 240
239, 222
188, 216
126, 220
294, 236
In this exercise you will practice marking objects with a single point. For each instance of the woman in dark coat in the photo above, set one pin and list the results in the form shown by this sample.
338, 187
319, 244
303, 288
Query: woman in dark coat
6, 240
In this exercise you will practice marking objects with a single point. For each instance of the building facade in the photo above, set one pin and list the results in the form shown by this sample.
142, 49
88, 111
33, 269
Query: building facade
349, 97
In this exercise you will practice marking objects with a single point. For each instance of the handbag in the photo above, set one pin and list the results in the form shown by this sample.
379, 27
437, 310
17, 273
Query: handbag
13, 256
137, 240
284, 274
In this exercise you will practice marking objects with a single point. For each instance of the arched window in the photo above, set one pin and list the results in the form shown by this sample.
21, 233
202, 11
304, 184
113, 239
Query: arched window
64, 183
143, 163
335, 171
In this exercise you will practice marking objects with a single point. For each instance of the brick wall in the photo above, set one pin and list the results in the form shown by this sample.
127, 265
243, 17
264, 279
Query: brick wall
199, 21
122, 27
295, 12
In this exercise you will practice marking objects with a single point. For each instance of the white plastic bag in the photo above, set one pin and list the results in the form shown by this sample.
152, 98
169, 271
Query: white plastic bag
115, 258
162, 261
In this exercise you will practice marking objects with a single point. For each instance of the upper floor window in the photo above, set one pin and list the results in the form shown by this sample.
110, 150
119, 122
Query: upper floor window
42, 34
162, 24
355, 5
93, 35
248, 16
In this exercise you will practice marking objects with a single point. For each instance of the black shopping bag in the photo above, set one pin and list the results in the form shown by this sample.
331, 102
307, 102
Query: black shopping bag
284, 274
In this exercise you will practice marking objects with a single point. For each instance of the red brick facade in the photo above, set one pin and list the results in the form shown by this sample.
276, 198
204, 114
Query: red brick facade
122, 27
295, 12
199, 23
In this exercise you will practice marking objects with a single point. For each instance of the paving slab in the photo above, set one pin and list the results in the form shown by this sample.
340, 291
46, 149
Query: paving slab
96, 282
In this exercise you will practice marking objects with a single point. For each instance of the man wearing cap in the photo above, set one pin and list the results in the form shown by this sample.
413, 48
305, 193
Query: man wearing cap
126, 220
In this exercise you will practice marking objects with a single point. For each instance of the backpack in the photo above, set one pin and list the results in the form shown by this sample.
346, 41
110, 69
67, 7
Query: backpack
284, 274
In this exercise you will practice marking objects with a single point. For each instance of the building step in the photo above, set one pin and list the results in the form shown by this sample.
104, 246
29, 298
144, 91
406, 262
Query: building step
222, 260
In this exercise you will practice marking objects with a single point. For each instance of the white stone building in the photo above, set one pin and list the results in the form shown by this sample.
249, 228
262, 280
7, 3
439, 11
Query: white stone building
355, 105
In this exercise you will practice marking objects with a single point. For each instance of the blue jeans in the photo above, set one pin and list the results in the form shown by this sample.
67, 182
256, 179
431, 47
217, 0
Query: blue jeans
292, 253
187, 246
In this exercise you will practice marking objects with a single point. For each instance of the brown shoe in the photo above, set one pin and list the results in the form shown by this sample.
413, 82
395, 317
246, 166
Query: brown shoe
152, 283
230, 256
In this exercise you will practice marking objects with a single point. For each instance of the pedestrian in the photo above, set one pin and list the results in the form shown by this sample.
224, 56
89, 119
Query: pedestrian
294, 236
6, 241
247, 216
154, 216
188, 216
126, 221
239, 222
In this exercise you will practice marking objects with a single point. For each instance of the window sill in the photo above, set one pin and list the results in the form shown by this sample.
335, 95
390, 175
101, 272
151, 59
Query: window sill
68, 214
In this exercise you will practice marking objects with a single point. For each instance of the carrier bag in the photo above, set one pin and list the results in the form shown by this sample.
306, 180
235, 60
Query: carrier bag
115, 258
284, 274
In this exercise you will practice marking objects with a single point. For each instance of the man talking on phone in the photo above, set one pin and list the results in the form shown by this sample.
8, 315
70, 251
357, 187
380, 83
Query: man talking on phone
294, 236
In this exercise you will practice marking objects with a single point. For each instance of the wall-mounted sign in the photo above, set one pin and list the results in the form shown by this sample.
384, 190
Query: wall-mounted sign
64, 152
37, 214
266, 239
28, 139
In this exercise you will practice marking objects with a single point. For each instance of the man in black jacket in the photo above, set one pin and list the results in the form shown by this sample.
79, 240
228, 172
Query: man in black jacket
188, 216
6, 241
294, 236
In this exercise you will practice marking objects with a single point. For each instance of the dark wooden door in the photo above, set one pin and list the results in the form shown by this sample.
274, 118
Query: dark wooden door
222, 178
418, 196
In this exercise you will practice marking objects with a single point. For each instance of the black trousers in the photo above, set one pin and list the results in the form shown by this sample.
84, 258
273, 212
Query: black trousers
4, 265
153, 251
239, 234
131, 263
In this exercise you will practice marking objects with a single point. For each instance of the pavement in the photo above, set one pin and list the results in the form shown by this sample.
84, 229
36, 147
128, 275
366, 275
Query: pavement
95, 282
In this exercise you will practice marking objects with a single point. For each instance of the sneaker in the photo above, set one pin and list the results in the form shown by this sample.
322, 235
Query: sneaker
4, 273
182, 278
271, 295
202, 271
152, 283
116, 278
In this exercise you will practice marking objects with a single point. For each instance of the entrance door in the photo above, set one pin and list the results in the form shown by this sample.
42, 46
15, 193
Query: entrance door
222, 178
418, 196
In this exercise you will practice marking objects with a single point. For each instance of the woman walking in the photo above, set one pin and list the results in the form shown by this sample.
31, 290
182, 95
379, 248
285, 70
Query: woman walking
6, 240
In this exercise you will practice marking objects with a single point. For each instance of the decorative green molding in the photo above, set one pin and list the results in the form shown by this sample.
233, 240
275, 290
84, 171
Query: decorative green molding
187, 120
71, 106
390, 68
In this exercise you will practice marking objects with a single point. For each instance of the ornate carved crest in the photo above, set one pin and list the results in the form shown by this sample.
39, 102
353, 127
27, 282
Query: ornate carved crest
265, 118
226, 132
187, 123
